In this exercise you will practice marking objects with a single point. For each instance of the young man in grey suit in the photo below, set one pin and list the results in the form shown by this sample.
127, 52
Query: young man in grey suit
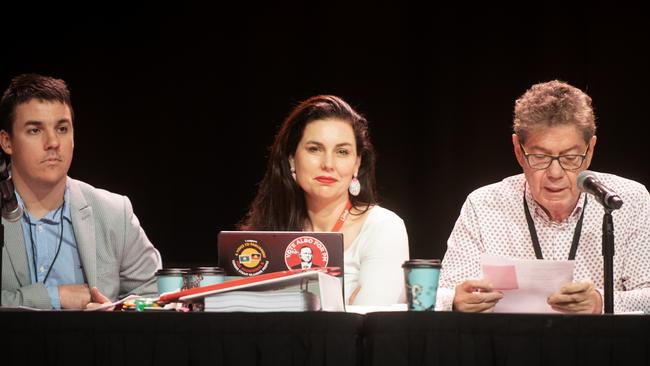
74, 246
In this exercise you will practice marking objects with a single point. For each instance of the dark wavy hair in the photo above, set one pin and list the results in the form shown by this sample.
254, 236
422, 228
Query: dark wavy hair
280, 202
26, 87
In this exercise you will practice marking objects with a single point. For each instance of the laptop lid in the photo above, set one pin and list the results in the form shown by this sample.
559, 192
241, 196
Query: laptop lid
250, 253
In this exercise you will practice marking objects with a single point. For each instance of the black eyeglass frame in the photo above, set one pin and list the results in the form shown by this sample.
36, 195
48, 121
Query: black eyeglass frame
555, 157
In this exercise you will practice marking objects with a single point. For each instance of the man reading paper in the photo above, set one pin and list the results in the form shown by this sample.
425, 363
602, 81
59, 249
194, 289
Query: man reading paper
541, 214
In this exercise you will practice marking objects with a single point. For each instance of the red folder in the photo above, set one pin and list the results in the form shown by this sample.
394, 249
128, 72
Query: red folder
281, 278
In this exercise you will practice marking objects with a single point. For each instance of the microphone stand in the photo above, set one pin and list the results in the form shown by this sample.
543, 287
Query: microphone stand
608, 260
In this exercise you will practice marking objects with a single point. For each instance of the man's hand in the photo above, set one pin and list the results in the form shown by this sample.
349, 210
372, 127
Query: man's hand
476, 296
577, 297
98, 299
74, 296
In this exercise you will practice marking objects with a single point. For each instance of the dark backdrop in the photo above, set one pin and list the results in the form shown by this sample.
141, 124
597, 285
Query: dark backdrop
176, 105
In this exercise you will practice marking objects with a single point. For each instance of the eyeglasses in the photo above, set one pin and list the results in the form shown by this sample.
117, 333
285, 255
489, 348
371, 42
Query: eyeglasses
543, 161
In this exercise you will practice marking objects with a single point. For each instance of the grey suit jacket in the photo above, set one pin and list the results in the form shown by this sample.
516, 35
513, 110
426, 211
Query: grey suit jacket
115, 253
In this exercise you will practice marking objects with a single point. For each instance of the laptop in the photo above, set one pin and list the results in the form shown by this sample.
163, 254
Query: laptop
251, 253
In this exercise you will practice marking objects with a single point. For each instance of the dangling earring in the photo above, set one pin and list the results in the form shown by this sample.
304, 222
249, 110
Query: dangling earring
355, 186
293, 173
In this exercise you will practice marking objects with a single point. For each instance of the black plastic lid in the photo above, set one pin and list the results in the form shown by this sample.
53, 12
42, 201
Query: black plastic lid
172, 271
422, 263
209, 270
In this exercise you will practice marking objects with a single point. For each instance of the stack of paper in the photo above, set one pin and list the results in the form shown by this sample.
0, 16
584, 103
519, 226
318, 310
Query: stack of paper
326, 293
261, 301
525, 283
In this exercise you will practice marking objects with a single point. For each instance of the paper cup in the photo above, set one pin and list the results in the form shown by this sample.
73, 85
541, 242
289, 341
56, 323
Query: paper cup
421, 282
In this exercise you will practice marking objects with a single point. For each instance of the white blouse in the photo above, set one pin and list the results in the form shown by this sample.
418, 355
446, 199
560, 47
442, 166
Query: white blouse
374, 260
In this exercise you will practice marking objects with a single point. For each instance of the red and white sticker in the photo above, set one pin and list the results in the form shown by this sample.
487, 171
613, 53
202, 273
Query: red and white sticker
306, 252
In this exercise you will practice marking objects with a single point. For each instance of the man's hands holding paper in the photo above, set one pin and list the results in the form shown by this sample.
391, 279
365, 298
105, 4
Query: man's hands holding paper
572, 298
577, 297
476, 296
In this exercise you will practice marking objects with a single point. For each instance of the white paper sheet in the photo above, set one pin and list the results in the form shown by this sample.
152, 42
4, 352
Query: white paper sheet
525, 283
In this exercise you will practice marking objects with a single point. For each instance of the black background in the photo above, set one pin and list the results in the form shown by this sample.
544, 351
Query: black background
176, 105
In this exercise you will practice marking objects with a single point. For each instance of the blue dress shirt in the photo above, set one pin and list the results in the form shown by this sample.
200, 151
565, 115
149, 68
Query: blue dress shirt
42, 241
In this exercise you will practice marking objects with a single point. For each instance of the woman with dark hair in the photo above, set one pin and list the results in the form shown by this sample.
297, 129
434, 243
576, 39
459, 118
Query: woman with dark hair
321, 177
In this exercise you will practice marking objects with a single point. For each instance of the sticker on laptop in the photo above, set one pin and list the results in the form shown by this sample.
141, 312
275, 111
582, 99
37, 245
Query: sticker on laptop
306, 252
250, 258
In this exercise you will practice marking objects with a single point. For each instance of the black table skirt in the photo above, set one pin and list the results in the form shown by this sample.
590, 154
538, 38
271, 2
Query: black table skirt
505, 339
155, 338
320, 338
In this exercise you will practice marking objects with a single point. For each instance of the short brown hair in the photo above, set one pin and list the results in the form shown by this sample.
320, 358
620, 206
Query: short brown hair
26, 87
553, 103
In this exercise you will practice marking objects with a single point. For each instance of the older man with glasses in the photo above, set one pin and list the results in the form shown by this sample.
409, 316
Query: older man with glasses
543, 214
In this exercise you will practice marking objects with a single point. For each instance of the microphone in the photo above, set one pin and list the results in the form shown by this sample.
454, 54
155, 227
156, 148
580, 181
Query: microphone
587, 182
11, 210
